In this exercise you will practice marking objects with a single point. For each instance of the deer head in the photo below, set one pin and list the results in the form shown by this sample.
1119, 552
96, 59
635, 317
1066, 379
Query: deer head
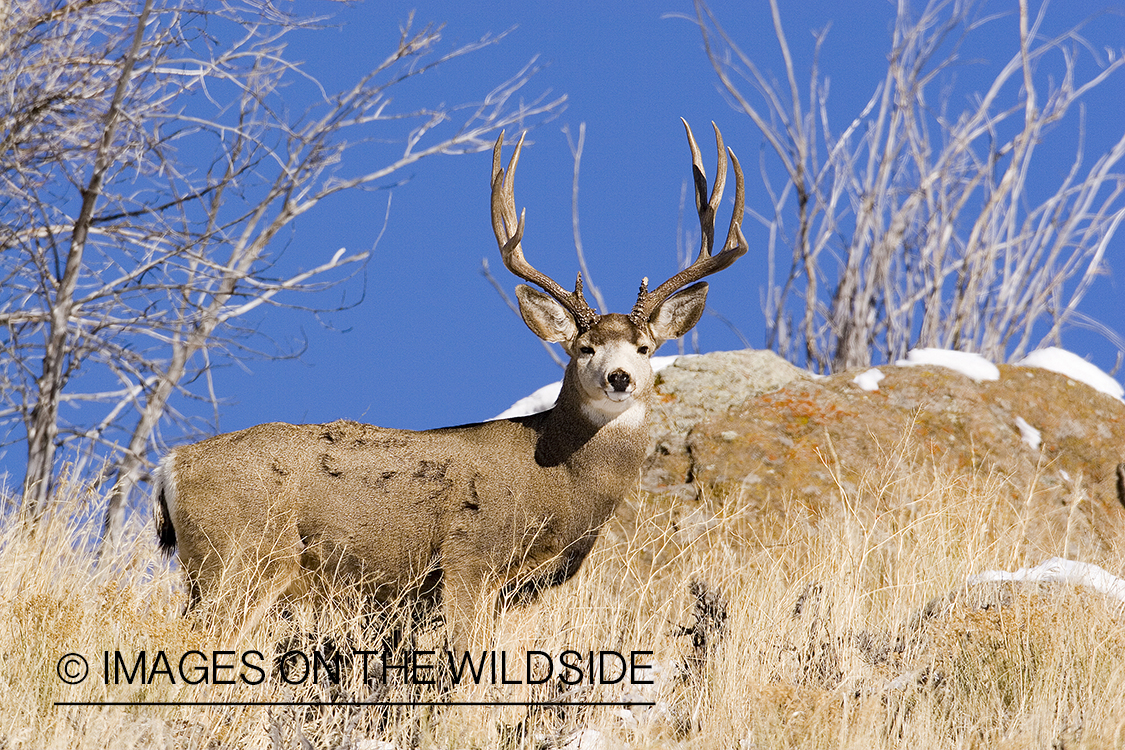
609, 353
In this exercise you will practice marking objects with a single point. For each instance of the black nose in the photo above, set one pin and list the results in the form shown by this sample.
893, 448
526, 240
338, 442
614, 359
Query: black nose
620, 380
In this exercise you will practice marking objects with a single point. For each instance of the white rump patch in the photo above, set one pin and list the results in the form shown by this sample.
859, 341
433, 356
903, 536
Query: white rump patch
166, 481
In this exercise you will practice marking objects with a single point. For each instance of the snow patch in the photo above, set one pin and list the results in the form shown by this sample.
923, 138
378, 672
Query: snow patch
967, 363
542, 400
1058, 570
659, 363
869, 380
1029, 434
1074, 367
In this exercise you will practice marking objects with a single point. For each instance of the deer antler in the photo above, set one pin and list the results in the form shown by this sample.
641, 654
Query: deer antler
705, 263
503, 221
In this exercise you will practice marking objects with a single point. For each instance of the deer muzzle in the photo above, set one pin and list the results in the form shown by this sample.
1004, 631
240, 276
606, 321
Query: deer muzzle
621, 385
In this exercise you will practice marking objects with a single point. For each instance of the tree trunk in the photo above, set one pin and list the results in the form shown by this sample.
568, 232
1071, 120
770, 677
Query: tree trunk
43, 430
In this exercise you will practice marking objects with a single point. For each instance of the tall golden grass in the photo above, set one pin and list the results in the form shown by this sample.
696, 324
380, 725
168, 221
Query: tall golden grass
768, 627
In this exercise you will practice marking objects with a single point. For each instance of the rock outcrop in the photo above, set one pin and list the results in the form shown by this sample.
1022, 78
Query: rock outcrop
748, 421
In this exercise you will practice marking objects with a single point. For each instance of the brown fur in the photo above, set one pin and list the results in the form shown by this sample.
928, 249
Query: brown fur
505, 506
508, 504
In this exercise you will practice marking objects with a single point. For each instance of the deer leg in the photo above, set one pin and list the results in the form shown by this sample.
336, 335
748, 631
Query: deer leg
464, 586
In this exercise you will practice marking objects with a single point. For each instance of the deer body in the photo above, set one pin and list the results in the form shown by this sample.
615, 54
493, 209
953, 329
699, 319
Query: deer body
465, 512
394, 507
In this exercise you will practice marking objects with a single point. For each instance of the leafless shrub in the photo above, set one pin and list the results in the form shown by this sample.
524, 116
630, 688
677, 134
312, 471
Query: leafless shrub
916, 224
150, 156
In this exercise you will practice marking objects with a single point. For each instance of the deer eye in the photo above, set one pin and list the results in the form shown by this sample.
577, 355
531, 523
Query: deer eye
642, 350
587, 350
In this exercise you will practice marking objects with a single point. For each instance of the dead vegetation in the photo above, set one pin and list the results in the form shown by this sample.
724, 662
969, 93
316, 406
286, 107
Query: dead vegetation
767, 627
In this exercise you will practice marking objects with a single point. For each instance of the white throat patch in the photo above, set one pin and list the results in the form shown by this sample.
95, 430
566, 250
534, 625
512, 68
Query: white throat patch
626, 413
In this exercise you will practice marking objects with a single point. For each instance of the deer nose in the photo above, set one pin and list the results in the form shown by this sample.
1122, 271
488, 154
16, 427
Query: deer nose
620, 380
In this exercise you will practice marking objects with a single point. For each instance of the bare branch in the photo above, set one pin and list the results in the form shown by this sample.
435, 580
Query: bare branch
916, 227
487, 273
576, 153
148, 174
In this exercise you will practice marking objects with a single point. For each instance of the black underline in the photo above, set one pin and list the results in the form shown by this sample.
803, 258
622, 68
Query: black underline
528, 704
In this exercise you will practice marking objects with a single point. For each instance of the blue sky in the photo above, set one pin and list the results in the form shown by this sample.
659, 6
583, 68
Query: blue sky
432, 344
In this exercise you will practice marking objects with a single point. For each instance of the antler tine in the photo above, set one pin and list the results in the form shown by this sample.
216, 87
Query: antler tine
508, 238
707, 207
705, 263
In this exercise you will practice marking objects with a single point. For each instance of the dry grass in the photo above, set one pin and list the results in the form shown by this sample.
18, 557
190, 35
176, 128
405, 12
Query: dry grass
770, 629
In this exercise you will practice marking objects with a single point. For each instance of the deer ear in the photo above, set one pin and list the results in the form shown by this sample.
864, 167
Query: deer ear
679, 313
546, 318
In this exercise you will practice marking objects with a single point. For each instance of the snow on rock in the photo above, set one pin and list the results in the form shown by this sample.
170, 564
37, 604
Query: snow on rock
1058, 570
967, 363
869, 380
1029, 434
659, 363
1074, 367
544, 398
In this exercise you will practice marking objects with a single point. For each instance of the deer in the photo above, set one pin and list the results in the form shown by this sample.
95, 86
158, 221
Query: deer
458, 516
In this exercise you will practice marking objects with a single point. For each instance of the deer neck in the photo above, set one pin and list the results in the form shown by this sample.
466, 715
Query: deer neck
603, 447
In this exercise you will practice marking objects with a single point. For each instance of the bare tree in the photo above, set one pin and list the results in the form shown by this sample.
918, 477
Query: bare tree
149, 162
914, 225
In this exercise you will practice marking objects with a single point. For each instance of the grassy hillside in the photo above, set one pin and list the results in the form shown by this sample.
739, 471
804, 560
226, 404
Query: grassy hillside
768, 628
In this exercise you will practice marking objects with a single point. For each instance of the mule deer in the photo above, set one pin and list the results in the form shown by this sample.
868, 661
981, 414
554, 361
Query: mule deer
479, 510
